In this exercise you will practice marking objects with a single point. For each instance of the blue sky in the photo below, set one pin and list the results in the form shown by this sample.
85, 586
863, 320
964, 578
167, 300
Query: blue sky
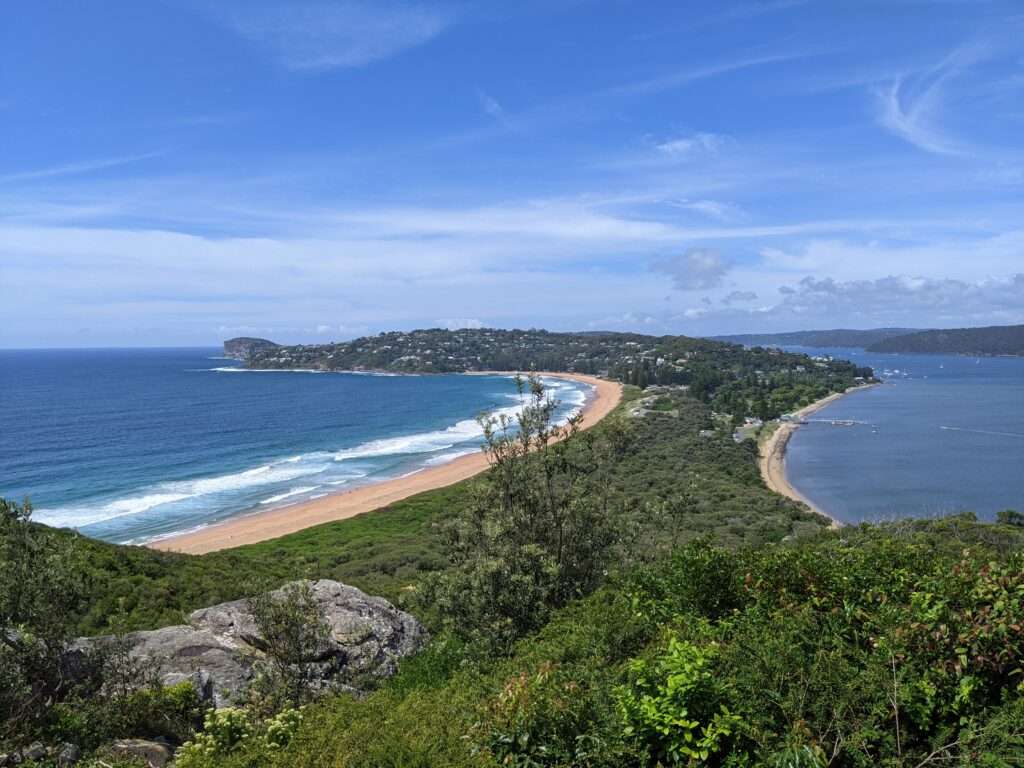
181, 171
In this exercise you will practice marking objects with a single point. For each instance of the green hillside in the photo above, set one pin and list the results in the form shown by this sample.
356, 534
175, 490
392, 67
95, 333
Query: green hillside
991, 340
837, 337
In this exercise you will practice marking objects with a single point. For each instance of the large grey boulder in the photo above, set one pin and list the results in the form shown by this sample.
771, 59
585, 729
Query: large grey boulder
220, 648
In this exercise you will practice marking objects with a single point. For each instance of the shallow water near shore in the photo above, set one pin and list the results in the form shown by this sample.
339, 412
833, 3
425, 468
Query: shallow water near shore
130, 445
943, 434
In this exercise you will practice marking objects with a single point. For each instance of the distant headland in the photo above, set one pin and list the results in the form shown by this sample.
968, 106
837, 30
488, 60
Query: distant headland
989, 341
835, 337
244, 347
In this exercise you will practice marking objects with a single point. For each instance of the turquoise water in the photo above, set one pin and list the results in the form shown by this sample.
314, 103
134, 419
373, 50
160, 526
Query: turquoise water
943, 434
131, 445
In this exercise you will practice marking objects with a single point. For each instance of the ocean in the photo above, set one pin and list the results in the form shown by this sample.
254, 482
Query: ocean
943, 434
129, 445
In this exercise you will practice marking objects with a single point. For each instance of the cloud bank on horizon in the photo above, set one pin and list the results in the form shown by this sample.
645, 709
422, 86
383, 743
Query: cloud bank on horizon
180, 172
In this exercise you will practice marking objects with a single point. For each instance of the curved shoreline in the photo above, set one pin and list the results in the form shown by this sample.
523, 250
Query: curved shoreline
772, 459
272, 524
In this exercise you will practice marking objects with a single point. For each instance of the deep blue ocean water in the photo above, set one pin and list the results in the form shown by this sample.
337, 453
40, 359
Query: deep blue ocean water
943, 434
129, 445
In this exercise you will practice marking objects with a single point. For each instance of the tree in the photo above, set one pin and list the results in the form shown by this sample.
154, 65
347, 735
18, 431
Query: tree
41, 592
293, 629
1010, 517
541, 528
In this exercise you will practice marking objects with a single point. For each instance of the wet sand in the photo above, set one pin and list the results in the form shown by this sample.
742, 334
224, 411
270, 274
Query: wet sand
261, 526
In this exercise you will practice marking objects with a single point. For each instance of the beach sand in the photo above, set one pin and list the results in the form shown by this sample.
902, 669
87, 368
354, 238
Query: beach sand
773, 453
261, 526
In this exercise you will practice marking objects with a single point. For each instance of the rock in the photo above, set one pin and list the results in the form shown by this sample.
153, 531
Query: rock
153, 753
218, 650
69, 754
34, 751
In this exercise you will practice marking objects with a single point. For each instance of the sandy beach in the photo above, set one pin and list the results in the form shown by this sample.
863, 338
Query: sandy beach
773, 453
261, 526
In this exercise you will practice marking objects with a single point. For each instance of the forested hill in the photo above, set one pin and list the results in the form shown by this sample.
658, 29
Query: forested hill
837, 337
992, 340
243, 347
734, 380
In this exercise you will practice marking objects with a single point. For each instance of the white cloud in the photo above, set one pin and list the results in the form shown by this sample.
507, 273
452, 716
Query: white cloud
908, 296
696, 269
714, 209
461, 323
350, 33
687, 147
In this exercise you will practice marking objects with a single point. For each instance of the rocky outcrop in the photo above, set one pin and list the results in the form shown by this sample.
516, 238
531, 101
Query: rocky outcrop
152, 754
244, 347
221, 647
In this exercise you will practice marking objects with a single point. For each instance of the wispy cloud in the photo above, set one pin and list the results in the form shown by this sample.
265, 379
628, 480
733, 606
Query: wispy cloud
686, 147
493, 109
912, 106
592, 105
75, 169
350, 33
912, 118
689, 75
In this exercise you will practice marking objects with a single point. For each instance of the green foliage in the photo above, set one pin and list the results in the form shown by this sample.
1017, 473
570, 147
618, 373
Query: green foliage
281, 729
540, 531
1010, 517
172, 713
674, 706
41, 589
293, 631
223, 731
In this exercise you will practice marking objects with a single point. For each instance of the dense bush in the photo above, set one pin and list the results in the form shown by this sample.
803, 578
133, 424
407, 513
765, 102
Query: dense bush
892, 646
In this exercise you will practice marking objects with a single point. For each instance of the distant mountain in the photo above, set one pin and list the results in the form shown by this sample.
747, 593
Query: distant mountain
244, 347
991, 340
839, 337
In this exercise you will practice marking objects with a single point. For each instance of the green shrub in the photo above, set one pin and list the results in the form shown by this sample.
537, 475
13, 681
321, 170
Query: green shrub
675, 706
223, 731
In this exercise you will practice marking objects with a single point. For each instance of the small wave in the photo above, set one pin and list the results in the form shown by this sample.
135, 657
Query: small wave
75, 517
289, 494
176, 491
264, 475
422, 442
445, 458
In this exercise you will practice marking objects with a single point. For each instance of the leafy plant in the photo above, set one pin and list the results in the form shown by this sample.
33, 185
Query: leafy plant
676, 706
